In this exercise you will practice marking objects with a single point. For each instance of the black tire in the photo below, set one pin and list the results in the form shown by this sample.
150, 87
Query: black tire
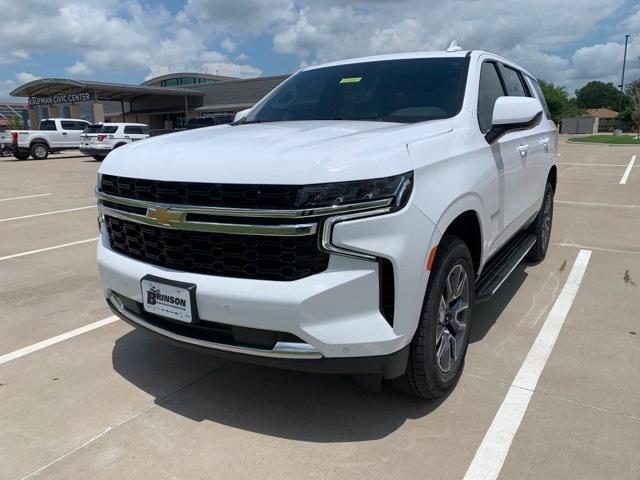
21, 154
119, 145
424, 376
541, 227
39, 151
98, 157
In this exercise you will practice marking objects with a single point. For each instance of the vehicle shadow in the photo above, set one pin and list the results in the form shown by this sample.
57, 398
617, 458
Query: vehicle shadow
486, 313
279, 403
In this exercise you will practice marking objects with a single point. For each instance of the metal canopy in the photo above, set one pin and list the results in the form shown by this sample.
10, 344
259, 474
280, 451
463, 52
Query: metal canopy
104, 91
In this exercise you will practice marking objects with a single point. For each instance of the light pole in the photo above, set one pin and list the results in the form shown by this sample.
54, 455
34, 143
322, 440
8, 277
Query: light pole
624, 64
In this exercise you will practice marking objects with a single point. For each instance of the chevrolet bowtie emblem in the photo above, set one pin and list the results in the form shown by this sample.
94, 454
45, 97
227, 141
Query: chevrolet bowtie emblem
163, 216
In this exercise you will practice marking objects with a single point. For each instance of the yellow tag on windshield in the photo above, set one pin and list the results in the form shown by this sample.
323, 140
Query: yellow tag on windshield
351, 80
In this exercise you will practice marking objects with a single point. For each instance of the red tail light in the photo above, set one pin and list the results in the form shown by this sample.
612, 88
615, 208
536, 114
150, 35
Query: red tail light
101, 137
14, 137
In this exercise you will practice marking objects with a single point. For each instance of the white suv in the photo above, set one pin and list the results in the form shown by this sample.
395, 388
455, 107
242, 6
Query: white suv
111, 136
346, 224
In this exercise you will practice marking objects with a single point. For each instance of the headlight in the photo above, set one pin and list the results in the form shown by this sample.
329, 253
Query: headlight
99, 182
398, 188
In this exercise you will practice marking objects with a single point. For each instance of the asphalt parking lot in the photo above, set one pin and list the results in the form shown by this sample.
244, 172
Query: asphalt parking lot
109, 402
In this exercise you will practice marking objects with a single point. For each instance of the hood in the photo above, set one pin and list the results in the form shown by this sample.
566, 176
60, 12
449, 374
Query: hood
292, 153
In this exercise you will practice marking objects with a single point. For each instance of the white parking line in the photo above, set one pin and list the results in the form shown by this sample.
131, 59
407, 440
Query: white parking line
57, 339
595, 204
491, 454
46, 213
25, 196
593, 164
627, 172
55, 247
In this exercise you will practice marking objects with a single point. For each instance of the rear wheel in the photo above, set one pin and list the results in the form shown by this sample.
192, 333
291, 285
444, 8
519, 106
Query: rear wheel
21, 154
39, 151
541, 227
440, 343
98, 157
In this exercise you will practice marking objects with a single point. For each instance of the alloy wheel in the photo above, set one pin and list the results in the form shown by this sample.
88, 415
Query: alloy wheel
546, 221
452, 318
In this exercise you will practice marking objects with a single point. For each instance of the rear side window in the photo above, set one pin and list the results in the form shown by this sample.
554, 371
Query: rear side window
513, 82
136, 130
535, 86
47, 125
109, 129
71, 125
92, 128
489, 91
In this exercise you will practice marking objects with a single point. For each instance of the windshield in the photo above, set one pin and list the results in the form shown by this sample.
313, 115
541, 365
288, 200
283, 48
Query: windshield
405, 91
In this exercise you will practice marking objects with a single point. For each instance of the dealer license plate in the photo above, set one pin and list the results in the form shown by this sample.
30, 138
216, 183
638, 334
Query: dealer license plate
174, 300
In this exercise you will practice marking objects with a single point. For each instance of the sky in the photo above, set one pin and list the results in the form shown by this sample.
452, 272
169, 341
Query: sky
565, 42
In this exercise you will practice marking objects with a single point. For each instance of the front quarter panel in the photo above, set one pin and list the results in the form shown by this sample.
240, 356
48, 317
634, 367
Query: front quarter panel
455, 173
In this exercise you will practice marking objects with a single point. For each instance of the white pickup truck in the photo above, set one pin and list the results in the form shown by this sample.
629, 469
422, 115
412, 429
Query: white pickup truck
54, 134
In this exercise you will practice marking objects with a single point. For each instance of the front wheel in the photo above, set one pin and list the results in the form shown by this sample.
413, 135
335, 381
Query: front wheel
541, 227
440, 343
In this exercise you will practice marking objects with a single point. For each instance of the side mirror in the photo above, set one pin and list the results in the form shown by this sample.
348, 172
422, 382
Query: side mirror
513, 113
241, 114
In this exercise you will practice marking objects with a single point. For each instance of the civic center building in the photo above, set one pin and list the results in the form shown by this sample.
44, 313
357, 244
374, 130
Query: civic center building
164, 102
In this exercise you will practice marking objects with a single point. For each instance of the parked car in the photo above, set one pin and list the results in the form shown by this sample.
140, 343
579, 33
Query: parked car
55, 134
112, 136
201, 122
347, 223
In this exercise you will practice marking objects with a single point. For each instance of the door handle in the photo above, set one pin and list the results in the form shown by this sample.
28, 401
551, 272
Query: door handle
545, 143
524, 150
64, 133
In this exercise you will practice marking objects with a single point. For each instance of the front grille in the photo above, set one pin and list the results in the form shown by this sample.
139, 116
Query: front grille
227, 255
202, 194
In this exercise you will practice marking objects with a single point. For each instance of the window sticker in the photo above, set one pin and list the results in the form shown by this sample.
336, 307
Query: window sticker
351, 80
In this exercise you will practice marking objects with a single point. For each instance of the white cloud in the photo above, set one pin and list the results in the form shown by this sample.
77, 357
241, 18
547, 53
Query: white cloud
24, 77
230, 69
126, 35
229, 45
329, 30
110, 36
241, 16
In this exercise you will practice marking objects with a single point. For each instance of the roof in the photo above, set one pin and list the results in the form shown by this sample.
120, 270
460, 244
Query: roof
601, 113
103, 90
237, 94
392, 56
169, 76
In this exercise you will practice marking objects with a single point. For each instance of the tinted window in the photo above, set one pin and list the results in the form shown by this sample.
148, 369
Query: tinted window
132, 129
47, 125
535, 86
395, 91
92, 128
71, 125
489, 91
513, 82
109, 129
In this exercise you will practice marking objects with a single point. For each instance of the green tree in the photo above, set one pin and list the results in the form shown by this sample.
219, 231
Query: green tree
598, 95
633, 95
15, 123
558, 101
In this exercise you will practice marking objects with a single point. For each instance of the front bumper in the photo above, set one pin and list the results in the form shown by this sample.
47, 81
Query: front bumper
289, 356
335, 313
